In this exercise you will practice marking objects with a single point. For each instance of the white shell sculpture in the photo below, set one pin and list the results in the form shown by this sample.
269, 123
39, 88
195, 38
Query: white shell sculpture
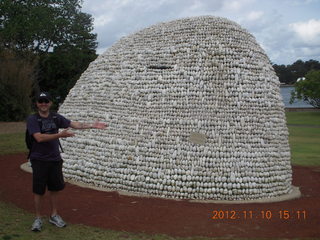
194, 112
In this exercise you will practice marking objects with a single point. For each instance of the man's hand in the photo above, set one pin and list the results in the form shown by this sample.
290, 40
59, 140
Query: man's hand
43, 137
66, 133
99, 125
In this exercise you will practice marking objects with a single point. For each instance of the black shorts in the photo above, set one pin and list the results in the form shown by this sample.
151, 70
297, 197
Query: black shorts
47, 174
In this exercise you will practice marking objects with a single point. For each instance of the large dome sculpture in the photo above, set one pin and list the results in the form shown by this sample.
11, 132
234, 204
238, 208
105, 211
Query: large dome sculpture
194, 112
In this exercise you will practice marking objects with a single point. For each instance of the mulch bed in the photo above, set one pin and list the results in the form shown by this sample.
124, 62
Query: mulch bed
110, 210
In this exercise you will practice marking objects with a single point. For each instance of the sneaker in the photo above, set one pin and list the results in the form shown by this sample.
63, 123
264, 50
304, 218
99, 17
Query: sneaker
37, 224
57, 220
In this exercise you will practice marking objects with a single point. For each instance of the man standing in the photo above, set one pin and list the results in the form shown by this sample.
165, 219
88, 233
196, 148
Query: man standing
45, 157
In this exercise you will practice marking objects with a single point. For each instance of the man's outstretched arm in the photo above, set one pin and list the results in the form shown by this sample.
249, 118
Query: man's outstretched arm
81, 125
43, 137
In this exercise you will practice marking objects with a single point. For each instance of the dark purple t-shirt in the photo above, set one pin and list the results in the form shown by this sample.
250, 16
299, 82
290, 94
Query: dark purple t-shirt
46, 151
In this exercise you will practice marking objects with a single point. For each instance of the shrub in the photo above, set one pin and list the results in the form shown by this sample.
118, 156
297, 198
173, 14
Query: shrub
308, 89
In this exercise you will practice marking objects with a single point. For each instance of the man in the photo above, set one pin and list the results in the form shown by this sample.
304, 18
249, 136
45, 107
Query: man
45, 156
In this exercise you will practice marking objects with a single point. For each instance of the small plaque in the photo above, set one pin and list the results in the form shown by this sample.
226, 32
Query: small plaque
197, 138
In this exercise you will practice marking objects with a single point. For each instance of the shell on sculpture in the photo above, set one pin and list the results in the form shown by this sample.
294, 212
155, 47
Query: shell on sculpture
194, 111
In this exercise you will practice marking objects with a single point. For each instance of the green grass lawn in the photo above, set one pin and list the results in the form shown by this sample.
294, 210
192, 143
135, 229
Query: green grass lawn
304, 144
304, 139
303, 118
16, 223
11, 143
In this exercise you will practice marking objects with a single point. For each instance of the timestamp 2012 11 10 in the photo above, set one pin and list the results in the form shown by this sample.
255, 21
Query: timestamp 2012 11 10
282, 214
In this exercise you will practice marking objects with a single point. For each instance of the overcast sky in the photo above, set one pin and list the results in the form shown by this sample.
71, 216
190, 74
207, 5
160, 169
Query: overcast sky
288, 30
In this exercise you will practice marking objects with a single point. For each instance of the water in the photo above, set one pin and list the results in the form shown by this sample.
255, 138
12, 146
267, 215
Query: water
286, 95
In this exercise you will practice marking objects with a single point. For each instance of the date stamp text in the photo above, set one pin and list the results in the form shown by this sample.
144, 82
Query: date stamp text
259, 214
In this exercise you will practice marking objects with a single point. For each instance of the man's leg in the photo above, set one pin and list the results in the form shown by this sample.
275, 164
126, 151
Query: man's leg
55, 218
37, 204
55, 184
54, 202
38, 187
37, 224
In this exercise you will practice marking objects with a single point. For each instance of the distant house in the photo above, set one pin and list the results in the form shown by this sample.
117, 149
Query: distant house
301, 79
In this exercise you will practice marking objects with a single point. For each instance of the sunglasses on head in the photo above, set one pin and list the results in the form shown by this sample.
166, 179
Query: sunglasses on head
43, 101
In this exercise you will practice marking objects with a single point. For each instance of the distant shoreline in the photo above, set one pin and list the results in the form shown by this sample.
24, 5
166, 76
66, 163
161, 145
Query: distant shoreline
306, 109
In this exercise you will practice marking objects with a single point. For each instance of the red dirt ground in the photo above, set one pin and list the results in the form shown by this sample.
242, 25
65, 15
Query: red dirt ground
110, 210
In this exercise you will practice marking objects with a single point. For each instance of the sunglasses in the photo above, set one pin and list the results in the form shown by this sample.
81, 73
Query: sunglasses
43, 101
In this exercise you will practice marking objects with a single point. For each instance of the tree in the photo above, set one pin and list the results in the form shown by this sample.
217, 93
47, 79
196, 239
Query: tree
39, 26
283, 73
54, 32
60, 69
308, 89
16, 79
312, 65
298, 69
290, 73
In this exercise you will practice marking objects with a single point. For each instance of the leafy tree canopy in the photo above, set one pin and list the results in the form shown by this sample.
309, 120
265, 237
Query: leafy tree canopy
39, 26
52, 39
308, 89
60, 69
290, 73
